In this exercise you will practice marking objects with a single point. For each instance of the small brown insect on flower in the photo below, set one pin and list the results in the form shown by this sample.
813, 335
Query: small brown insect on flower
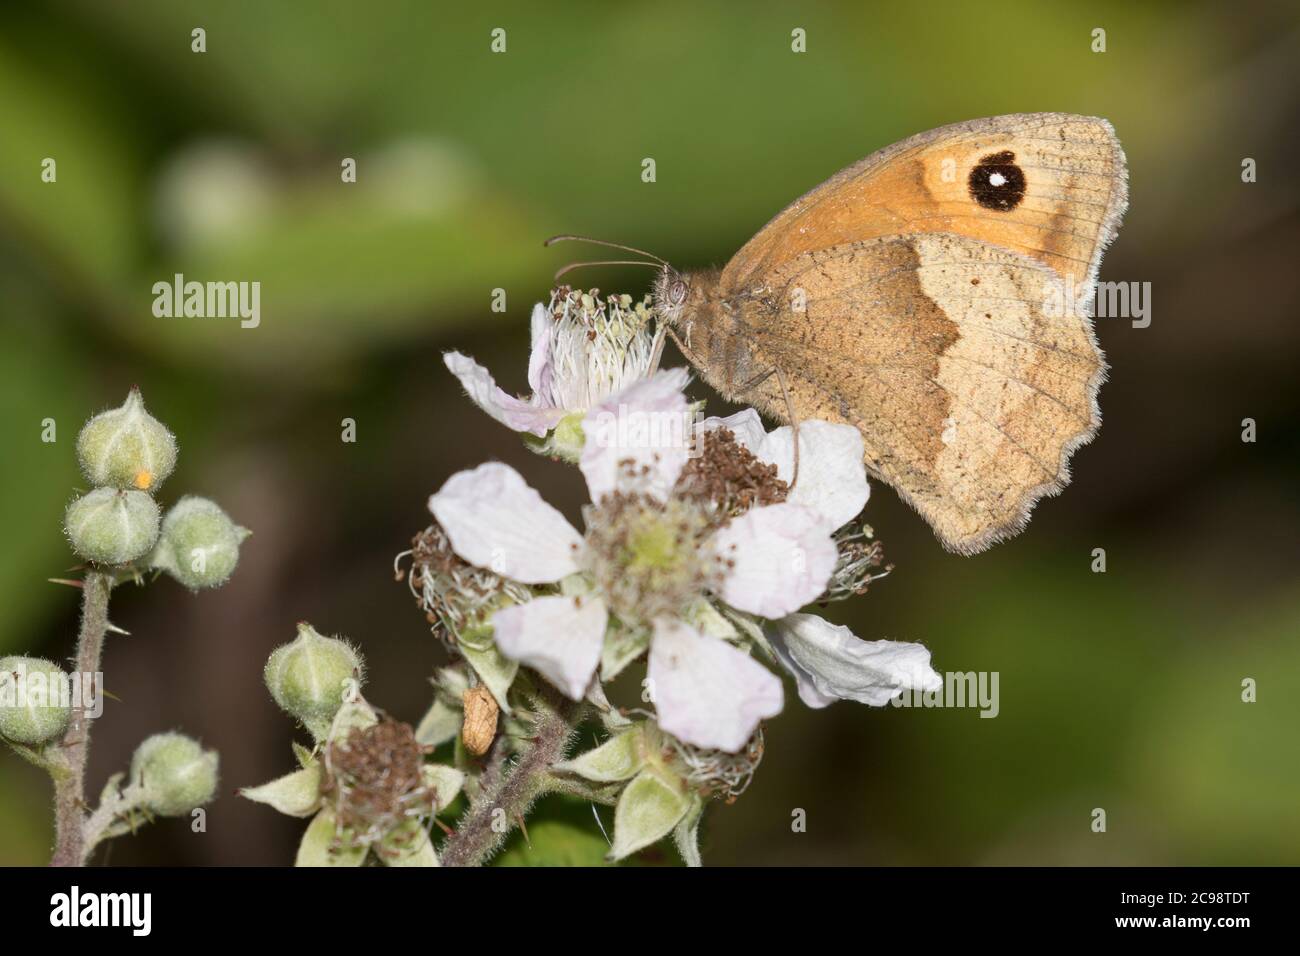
480, 726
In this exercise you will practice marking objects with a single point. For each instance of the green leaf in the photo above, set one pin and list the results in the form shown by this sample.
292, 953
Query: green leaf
557, 843
647, 811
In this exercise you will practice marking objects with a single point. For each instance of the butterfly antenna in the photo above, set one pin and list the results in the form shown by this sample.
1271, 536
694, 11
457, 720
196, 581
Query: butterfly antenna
601, 242
609, 262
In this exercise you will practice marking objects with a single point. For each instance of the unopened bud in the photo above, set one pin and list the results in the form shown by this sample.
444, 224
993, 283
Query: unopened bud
311, 677
35, 700
109, 526
174, 774
126, 447
199, 544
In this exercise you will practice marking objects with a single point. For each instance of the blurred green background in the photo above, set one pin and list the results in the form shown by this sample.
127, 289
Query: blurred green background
1118, 690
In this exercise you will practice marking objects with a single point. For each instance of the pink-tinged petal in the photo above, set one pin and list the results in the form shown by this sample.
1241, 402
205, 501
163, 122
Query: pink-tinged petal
541, 371
515, 413
745, 425
774, 560
705, 691
559, 637
832, 478
830, 663
496, 521
647, 424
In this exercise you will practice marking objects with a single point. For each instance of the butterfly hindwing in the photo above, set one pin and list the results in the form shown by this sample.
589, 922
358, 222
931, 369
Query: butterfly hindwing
969, 389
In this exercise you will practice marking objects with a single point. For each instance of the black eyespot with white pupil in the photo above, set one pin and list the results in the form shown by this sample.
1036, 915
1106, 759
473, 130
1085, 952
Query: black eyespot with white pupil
997, 182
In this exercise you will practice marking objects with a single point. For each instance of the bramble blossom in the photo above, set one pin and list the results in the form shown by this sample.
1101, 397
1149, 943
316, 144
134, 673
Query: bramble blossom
584, 349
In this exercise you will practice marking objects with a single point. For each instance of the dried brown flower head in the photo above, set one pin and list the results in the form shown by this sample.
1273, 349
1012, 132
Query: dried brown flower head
454, 594
730, 476
373, 778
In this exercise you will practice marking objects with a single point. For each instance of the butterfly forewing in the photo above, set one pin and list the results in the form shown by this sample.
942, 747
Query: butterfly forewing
1049, 185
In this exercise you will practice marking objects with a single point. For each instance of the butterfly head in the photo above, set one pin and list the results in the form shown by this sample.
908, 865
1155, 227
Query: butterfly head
671, 291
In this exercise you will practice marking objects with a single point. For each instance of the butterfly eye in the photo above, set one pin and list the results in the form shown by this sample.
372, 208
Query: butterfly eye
677, 292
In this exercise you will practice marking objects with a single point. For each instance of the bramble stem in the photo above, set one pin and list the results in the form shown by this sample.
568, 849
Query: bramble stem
507, 795
70, 775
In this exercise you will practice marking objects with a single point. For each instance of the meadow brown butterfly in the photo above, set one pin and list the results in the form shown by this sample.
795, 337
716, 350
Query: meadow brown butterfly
909, 295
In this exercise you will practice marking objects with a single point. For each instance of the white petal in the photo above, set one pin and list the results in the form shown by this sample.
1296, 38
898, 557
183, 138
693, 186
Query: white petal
832, 478
558, 636
514, 413
745, 425
540, 368
647, 422
706, 692
830, 663
774, 559
496, 521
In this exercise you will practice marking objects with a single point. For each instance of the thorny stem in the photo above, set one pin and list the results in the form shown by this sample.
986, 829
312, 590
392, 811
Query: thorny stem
508, 793
70, 773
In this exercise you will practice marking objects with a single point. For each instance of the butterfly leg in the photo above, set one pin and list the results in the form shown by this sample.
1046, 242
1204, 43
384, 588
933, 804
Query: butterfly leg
791, 414
746, 386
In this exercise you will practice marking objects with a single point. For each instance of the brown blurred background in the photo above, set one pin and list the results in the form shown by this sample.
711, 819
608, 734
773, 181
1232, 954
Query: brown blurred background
1118, 690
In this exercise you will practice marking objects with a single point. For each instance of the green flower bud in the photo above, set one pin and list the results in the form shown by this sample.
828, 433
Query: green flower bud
35, 700
108, 526
311, 677
199, 544
173, 774
126, 447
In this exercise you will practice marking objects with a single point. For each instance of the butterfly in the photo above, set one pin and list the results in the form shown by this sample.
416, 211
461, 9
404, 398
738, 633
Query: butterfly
934, 295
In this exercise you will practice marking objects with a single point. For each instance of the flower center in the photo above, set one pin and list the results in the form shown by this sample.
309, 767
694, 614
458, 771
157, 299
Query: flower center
598, 345
645, 554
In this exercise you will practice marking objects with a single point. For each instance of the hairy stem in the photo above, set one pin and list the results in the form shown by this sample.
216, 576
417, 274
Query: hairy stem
70, 776
507, 794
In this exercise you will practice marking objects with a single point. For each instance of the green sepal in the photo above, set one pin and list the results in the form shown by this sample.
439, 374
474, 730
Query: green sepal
619, 758
687, 833
408, 845
296, 794
319, 846
494, 669
440, 724
650, 807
